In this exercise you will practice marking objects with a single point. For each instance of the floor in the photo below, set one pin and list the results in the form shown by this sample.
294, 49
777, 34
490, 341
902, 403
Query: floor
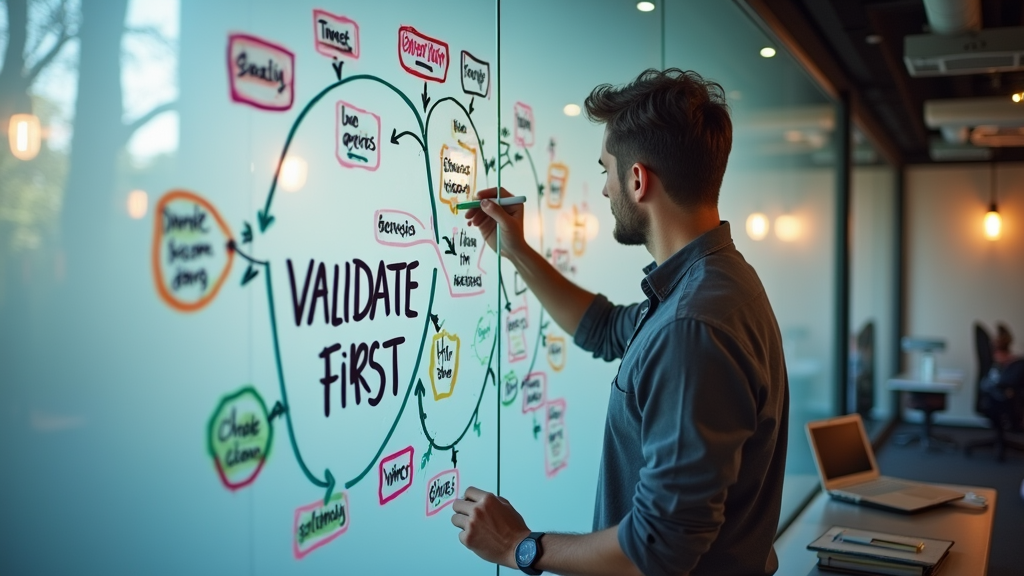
980, 469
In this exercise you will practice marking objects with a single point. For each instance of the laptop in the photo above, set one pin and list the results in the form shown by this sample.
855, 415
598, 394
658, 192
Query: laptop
848, 471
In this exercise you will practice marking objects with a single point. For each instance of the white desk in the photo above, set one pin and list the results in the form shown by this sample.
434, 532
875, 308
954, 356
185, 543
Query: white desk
969, 529
931, 397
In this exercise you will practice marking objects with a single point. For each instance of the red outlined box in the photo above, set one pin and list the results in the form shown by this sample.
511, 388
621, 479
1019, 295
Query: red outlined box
335, 35
535, 391
524, 125
423, 56
260, 73
475, 75
398, 468
444, 487
556, 440
357, 145
298, 549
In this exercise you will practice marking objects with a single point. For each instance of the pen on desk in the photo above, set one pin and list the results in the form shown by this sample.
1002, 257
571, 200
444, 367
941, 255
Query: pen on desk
505, 201
880, 543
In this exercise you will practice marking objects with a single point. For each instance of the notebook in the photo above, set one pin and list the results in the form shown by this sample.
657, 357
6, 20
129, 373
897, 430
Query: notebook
837, 552
848, 471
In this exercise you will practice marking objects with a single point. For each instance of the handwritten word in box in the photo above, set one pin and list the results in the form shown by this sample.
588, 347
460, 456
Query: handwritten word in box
358, 137
335, 35
556, 440
444, 364
395, 475
535, 391
422, 56
318, 523
515, 327
558, 178
556, 352
522, 115
458, 175
260, 73
442, 490
509, 388
476, 75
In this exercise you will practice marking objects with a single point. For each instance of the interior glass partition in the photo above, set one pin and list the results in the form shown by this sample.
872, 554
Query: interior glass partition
873, 348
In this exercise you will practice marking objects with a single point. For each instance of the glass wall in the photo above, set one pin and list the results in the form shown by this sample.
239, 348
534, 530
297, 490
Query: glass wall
779, 192
186, 149
872, 283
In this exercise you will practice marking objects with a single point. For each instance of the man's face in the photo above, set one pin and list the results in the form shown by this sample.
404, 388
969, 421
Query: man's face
631, 224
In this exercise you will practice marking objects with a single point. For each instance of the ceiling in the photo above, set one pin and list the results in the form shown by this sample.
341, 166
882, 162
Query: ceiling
865, 38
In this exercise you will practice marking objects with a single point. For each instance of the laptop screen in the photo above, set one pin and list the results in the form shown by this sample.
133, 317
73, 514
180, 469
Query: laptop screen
840, 448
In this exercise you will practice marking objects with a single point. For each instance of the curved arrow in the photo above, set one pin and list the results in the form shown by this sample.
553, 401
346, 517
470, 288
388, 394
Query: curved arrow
395, 136
468, 116
415, 369
421, 391
264, 216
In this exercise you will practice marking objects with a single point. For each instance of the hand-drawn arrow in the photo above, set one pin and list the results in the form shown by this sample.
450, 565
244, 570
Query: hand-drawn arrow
265, 218
451, 246
455, 459
518, 157
395, 136
471, 111
421, 391
508, 303
250, 273
424, 97
433, 318
278, 410
246, 233
337, 64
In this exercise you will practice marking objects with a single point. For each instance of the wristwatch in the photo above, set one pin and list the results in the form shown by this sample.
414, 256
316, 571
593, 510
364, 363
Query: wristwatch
528, 552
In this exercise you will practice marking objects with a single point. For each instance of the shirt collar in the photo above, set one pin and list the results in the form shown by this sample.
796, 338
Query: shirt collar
660, 280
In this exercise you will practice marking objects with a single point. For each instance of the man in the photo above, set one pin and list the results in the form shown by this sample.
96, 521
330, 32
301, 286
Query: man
695, 439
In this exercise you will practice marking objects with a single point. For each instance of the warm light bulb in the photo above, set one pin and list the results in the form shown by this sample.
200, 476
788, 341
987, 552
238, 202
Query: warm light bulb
787, 228
1017, 97
993, 225
645, 6
757, 226
571, 110
24, 135
293, 174
767, 52
138, 204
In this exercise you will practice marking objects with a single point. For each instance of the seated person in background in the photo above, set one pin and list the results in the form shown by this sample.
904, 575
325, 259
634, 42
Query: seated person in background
1003, 387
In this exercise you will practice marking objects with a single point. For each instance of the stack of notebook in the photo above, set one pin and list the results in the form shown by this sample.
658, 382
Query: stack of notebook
866, 552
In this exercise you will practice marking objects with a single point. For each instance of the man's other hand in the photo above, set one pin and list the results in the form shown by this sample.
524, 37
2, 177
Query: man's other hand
491, 527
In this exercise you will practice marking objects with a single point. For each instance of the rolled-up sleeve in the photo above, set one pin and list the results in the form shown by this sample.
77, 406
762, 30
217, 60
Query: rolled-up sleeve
606, 328
697, 412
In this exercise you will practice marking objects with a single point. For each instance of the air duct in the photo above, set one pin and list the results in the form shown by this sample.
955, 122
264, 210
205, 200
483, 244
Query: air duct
953, 16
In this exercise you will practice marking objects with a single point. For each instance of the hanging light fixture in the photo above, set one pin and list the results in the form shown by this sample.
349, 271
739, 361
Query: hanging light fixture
993, 221
24, 136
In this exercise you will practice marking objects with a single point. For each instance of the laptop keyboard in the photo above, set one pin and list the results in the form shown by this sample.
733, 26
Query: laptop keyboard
877, 488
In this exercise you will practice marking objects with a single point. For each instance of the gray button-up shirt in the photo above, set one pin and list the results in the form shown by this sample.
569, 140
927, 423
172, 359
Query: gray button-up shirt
695, 439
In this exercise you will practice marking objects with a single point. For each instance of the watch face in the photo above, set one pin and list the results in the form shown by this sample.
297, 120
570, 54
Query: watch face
525, 552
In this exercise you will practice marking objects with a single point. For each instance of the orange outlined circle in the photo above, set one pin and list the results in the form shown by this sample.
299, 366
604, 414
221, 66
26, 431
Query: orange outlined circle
158, 233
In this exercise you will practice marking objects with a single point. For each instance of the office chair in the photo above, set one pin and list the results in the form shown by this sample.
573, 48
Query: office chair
998, 410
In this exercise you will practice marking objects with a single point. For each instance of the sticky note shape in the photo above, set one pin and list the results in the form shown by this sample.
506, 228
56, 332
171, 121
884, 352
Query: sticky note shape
336, 36
395, 475
558, 178
535, 391
458, 175
444, 364
261, 73
556, 352
522, 117
556, 440
422, 56
358, 137
515, 327
318, 523
476, 75
442, 490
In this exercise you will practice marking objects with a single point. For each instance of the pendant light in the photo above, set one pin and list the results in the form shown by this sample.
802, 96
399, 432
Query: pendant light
993, 221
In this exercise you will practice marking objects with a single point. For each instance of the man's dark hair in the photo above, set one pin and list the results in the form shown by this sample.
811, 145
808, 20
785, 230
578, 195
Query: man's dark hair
673, 122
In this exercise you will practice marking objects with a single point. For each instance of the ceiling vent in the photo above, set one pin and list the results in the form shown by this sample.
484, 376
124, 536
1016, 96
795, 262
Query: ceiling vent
992, 50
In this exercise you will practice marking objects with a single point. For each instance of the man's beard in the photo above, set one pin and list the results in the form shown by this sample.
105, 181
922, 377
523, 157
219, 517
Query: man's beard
631, 225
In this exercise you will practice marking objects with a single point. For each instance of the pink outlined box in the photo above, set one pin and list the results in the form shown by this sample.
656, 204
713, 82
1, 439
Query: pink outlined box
554, 426
524, 125
331, 31
405, 457
477, 73
260, 73
348, 136
517, 340
535, 391
423, 56
300, 552
451, 492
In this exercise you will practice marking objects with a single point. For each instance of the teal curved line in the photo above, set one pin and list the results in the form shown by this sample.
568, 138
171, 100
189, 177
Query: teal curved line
408, 390
321, 94
473, 416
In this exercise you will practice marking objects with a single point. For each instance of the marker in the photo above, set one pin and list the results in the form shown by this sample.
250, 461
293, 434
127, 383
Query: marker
916, 547
506, 201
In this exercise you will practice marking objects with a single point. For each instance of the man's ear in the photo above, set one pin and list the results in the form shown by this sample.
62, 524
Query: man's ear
640, 182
